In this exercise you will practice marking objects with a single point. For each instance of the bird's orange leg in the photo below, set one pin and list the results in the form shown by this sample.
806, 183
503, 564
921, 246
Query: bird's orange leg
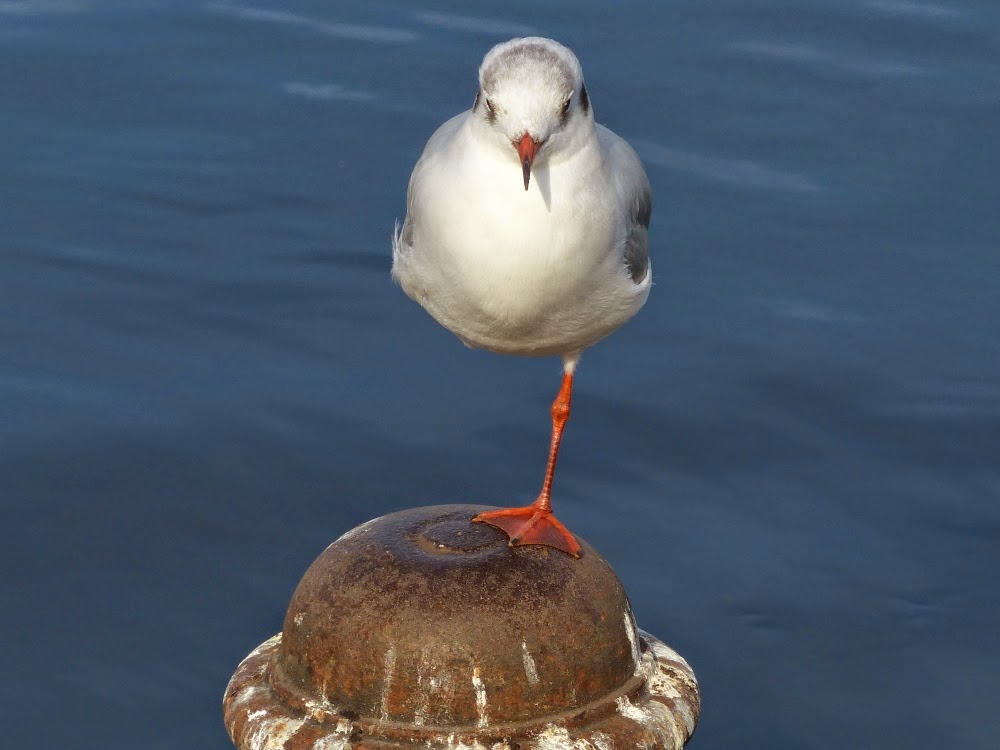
535, 523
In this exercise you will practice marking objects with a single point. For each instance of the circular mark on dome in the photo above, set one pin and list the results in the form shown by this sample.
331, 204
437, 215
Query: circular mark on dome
459, 537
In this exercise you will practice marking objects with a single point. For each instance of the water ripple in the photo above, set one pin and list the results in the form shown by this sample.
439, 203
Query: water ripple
66, 7
41, 7
474, 24
914, 9
356, 31
801, 52
809, 312
327, 92
731, 171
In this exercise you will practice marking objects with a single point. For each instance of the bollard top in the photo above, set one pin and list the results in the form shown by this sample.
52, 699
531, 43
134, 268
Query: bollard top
416, 616
420, 626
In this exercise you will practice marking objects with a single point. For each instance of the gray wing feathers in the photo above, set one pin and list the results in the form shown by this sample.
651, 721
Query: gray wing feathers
639, 209
636, 196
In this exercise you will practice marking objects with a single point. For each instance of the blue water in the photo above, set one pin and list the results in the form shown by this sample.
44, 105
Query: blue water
791, 456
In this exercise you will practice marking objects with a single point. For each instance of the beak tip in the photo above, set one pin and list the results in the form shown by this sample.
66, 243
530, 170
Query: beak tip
526, 148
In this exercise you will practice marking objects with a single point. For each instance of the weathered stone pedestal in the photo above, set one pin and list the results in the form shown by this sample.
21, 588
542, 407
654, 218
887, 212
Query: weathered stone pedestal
422, 629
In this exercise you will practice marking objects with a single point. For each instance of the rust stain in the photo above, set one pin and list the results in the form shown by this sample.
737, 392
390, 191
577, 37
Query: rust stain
425, 628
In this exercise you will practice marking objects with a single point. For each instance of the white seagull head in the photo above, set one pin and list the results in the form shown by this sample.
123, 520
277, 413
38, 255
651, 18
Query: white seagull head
532, 101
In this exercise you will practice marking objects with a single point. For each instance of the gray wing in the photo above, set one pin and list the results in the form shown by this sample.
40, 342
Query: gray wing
637, 197
431, 150
640, 208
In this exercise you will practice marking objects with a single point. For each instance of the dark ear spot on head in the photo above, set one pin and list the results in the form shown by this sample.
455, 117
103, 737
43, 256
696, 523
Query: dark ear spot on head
584, 99
491, 112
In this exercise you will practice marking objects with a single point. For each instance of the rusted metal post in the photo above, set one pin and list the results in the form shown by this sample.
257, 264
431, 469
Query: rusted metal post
422, 628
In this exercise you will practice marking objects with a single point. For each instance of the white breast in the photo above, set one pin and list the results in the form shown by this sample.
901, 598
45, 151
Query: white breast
536, 272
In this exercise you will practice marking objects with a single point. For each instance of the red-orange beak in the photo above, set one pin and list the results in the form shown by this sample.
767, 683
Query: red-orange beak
526, 149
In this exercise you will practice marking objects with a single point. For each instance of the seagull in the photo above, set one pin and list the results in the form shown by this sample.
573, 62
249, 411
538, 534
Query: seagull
526, 232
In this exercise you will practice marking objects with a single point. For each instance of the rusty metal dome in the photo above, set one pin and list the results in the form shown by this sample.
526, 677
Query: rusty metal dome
422, 627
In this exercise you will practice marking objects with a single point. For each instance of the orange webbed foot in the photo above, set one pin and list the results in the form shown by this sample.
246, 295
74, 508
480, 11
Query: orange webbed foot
529, 525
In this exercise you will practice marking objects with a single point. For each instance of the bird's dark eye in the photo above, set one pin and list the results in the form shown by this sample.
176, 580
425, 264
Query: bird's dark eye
564, 110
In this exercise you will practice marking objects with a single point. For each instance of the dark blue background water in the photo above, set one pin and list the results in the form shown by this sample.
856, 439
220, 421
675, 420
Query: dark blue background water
791, 456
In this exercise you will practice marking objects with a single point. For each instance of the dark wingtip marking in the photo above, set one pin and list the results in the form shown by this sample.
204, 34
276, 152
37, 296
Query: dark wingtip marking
644, 208
584, 99
491, 113
637, 244
638, 270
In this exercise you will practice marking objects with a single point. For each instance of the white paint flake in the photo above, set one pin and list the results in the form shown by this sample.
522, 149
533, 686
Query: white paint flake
332, 742
669, 671
420, 713
454, 743
555, 737
529, 664
657, 718
389, 665
337, 739
320, 708
477, 683
270, 733
630, 632
630, 711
